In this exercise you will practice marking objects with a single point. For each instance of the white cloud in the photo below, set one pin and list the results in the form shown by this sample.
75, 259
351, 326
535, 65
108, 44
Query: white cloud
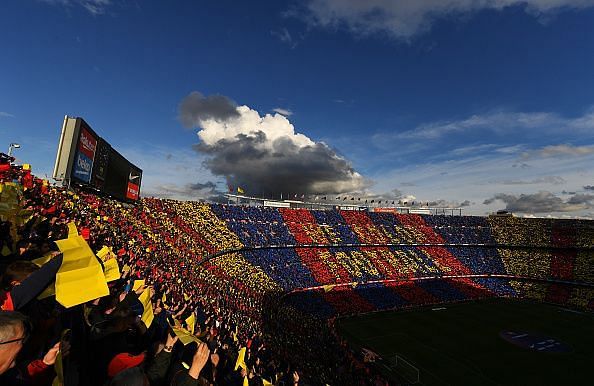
250, 123
503, 122
285, 36
542, 202
562, 150
281, 111
552, 180
95, 7
4, 114
404, 19
473, 149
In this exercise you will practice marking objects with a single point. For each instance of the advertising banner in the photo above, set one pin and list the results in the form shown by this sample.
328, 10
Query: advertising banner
85, 154
133, 191
385, 210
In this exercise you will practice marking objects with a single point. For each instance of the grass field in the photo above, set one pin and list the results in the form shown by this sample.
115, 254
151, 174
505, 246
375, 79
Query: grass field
461, 344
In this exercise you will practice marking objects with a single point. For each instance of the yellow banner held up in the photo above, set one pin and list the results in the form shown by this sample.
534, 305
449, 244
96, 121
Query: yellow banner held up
147, 314
191, 323
240, 362
185, 337
105, 253
10, 202
58, 365
43, 259
80, 278
49, 291
72, 231
111, 270
80, 286
137, 284
5, 251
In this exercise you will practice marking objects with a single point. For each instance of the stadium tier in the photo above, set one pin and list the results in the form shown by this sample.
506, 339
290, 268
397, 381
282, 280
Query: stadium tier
259, 287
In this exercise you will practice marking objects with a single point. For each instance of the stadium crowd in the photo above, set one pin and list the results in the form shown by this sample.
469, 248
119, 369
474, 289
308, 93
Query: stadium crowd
247, 317
104, 340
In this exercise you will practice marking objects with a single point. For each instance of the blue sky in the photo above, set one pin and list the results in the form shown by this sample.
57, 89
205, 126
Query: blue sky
490, 104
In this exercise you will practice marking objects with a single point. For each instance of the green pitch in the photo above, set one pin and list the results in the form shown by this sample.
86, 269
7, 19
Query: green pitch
462, 344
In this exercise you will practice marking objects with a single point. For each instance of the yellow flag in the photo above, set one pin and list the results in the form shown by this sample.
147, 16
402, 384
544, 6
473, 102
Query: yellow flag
80, 277
10, 203
163, 298
72, 231
126, 268
137, 284
266, 383
186, 297
240, 190
184, 335
43, 259
241, 359
191, 322
105, 253
26, 166
111, 270
58, 365
6, 251
80, 286
245, 381
49, 291
328, 288
147, 314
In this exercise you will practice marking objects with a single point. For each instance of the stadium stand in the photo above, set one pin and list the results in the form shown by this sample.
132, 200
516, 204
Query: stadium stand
189, 293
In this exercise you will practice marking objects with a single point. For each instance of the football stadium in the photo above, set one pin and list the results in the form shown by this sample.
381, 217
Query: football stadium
104, 285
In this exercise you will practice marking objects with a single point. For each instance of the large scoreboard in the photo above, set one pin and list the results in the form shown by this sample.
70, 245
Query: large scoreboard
85, 158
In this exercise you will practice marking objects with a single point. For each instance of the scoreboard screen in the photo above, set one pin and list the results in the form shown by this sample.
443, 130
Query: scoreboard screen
86, 158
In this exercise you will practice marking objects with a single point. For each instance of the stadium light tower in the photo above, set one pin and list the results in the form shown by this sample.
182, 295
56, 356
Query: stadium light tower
12, 147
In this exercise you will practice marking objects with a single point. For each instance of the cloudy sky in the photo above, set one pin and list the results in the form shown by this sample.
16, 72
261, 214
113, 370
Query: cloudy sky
483, 103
